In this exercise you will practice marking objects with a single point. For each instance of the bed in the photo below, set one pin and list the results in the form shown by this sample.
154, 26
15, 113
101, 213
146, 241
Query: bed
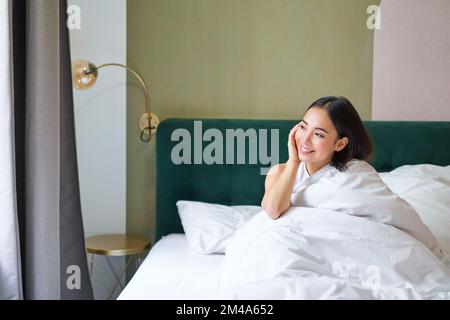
173, 271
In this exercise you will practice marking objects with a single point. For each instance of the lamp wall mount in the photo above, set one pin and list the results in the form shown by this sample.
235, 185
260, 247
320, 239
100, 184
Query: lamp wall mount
146, 122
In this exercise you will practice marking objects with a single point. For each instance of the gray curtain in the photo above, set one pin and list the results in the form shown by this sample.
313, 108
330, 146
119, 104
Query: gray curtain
53, 254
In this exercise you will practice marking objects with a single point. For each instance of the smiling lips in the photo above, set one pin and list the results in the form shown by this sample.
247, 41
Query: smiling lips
303, 149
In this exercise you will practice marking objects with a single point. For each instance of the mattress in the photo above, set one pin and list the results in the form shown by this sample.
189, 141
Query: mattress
172, 271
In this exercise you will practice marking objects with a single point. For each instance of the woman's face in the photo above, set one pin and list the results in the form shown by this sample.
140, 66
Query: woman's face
317, 139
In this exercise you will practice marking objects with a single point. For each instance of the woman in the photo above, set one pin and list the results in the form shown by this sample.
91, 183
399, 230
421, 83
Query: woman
326, 169
330, 133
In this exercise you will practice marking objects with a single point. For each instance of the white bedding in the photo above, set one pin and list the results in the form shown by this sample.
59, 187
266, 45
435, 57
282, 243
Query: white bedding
312, 253
349, 257
173, 271
427, 188
351, 237
359, 191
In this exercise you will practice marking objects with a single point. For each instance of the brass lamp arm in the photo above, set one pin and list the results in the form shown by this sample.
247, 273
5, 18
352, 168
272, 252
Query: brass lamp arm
140, 79
149, 122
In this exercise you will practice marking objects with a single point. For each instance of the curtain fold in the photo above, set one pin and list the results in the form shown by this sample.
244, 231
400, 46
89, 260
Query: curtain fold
53, 254
72, 246
10, 270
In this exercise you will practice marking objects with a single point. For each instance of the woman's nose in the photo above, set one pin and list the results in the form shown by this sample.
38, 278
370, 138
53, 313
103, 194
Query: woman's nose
305, 137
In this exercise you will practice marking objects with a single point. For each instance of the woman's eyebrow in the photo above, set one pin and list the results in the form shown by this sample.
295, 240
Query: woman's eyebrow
315, 127
322, 130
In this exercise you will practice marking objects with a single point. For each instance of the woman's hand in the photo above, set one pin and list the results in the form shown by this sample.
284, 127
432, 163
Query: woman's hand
292, 145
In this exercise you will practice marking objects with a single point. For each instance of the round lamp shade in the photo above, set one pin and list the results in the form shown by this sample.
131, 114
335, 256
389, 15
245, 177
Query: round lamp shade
84, 74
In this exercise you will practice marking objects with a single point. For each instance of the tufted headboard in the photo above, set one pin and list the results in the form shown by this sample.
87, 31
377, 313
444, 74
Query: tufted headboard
239, 183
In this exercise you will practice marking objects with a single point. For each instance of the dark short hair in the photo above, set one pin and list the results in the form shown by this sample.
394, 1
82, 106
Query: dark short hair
348, 124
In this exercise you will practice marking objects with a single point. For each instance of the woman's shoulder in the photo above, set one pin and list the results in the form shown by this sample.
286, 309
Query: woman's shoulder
276, 169
284, 164
279, 168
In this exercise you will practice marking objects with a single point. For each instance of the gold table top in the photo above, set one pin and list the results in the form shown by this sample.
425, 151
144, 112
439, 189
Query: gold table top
117, 244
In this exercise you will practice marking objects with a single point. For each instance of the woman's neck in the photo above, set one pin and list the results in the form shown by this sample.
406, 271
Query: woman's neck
314, 167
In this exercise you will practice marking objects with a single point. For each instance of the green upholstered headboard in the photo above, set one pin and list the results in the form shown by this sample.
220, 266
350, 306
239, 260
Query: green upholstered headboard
396, 144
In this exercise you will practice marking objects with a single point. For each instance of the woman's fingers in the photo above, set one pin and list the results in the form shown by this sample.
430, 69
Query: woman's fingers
291, 139
295, 127
293, 130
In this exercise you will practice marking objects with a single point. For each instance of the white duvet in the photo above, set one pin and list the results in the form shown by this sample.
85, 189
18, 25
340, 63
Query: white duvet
312, 253
353, 239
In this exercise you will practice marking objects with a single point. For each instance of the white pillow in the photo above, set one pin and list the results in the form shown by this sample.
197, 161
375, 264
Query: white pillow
427, 188
209, 226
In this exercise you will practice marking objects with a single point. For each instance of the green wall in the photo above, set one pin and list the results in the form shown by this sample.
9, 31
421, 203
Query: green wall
265, 59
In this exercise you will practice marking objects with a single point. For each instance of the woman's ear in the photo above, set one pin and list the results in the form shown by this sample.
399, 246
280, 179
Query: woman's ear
341, 144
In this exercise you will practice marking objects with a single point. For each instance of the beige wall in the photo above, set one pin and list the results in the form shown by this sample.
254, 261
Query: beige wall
412, 61
238, 59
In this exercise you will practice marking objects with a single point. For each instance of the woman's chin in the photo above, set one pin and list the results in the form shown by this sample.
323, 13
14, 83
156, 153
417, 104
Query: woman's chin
304, 157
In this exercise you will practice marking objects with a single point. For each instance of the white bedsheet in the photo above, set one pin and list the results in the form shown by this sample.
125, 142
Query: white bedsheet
172, 271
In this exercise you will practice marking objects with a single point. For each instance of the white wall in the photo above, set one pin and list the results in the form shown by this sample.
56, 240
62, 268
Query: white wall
100, 115
100, 121
411, 71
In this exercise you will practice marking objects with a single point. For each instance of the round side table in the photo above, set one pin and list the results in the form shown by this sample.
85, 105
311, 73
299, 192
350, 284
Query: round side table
115, 245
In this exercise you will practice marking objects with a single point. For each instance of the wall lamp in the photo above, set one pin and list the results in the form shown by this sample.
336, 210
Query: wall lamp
84, 76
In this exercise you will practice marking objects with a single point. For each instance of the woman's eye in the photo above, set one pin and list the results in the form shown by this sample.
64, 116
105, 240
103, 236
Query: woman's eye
320, 135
